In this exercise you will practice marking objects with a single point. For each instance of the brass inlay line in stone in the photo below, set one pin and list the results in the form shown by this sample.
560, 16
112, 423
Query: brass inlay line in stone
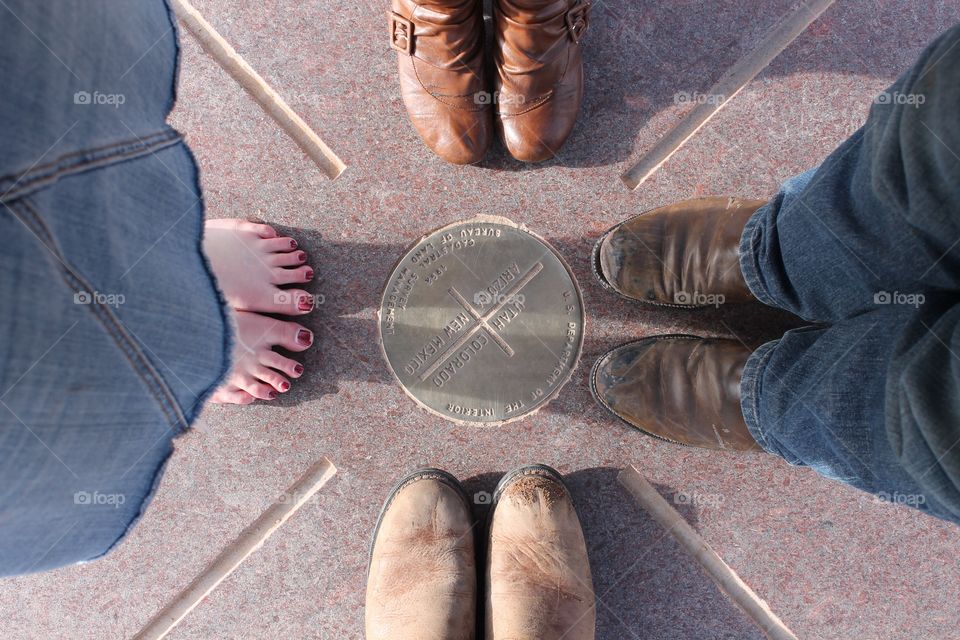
785, 31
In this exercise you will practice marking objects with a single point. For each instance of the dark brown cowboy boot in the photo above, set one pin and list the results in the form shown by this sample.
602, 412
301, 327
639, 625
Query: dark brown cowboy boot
683, 255
539, 585
683, 389
538, 80
423, 579
442, 77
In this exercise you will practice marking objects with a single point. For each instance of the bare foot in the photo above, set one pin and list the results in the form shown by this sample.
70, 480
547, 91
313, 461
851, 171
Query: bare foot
258, 370
251, 260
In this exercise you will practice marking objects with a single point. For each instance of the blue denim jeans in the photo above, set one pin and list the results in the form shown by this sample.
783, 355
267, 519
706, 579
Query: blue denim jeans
112, 332
867, 246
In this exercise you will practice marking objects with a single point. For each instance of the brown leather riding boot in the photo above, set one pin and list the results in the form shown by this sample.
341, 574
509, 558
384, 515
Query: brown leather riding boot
539, 585
683, 389
422, 578
683, 255
442, 75
538, 78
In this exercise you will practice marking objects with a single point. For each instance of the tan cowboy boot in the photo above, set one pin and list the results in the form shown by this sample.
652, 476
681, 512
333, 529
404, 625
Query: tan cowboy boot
539, 585
538, 84
683, 389
682, 255
422, 582
443, 81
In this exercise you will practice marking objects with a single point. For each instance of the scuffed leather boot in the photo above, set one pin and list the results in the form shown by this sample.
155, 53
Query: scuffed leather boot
538, 80
539, 585
422, 582
682, 255
443, 81
683, 389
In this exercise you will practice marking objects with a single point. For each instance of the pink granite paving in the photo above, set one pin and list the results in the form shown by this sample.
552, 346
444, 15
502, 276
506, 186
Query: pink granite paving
829, 560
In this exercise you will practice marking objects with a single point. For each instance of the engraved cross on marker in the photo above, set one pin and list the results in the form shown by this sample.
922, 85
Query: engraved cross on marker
482, 320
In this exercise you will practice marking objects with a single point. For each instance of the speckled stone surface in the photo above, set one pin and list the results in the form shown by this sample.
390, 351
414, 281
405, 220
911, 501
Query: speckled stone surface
831, 562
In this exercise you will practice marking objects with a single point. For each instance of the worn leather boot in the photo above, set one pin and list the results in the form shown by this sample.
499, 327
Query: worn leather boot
422, 582
683, 255
539, 585
538, 79
682, 389
443, 80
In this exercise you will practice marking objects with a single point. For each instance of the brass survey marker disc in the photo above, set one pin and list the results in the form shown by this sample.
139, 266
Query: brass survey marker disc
482, 321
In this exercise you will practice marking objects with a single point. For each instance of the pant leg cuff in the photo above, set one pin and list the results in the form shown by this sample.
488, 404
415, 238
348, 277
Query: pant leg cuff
750, 393
749, 243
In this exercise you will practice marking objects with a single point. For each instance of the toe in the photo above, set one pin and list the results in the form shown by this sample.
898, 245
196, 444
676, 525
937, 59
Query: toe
290, 302
274, 379
257, 389
272, 245
237, 225
262, 230
292, 336
280, 275
287, 259
281, 363
231, 396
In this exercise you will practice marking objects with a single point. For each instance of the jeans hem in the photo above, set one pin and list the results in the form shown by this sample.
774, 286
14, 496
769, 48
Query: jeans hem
750, 393
749, 241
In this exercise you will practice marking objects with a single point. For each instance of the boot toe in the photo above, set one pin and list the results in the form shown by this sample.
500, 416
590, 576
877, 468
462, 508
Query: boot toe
626, 258
684, 254
539, 134
456, 135
539, 581
534, 132
613, 380
422, 573
679, 388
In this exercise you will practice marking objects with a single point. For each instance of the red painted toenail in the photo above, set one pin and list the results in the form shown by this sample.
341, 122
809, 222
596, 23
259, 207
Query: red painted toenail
284, 386
298, 369
293, 244
302, 257
272, 395
309, 275
304, 337
304, 304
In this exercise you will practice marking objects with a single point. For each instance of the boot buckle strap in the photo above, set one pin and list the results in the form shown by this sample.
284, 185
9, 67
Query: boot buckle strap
401, 33
577, 19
